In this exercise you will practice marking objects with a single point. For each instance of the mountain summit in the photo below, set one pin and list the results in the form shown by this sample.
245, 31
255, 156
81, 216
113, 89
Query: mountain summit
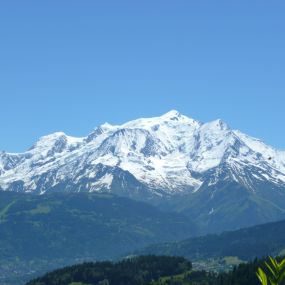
150, 159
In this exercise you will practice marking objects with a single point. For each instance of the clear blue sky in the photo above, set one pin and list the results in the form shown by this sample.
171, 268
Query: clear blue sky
72, 65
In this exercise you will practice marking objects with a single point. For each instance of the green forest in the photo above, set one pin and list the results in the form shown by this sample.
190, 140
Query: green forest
245, 244
150, 270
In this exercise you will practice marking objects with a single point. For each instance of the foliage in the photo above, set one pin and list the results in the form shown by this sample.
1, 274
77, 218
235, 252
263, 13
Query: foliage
276, 272
159, 270
131, 271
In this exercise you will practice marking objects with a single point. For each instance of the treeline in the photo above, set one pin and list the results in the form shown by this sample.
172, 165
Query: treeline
150, 270
131, 271
244, 274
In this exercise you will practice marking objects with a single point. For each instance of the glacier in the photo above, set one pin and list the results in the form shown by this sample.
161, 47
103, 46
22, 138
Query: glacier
148, 157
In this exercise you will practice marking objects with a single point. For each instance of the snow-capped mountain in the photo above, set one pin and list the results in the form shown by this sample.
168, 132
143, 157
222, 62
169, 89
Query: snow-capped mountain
166, 155
221, 178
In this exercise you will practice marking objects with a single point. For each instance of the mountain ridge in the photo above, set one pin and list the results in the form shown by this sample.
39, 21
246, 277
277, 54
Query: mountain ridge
246, 244
164, 160
144, 146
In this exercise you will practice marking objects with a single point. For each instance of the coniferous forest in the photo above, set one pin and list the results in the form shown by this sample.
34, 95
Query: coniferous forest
149, 270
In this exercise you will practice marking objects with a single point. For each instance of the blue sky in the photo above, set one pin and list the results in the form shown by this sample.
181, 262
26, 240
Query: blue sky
72, 65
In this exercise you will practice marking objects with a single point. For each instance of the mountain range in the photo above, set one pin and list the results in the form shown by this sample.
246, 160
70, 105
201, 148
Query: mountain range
221, 178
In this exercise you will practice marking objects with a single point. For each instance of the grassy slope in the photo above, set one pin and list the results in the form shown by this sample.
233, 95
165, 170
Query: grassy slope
39, 233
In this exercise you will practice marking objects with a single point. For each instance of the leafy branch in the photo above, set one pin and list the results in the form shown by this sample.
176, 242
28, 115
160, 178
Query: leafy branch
276, 272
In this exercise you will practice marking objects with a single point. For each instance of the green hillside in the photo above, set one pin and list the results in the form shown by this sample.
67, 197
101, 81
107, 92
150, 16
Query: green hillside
149, 270
135, 271
39, 233
244, 244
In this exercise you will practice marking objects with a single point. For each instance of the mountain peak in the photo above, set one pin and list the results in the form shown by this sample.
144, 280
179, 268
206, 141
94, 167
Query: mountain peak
155, 158
172, 113
49, 139
106, 125
160, 152
220, 124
